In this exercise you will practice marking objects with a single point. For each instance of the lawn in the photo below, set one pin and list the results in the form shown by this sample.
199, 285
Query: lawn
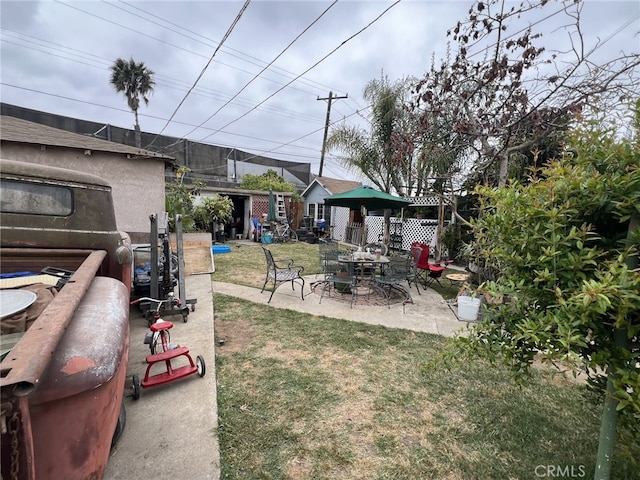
310, 397
239, 266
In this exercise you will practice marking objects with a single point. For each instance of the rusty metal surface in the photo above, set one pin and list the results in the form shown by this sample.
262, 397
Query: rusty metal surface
17, 441
92, 207
91, 225
35, 259
65, 377
93, 346
23, 368
72, 435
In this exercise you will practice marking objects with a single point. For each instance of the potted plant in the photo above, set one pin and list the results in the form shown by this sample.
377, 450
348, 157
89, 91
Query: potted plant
217, 211
342, 287
419, 213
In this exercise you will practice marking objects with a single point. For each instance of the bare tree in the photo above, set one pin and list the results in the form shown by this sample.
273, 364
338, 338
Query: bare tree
517, 94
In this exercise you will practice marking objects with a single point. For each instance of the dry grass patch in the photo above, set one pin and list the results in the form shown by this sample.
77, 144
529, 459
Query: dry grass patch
309, 397
234, 336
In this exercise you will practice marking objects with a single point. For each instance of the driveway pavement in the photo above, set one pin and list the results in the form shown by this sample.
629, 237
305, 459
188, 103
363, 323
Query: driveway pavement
171, 429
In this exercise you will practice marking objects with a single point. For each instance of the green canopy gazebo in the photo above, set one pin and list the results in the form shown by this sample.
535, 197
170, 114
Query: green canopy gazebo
366, 198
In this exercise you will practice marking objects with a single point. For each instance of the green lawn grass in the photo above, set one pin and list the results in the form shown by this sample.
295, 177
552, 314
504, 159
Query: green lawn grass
245, 264
309, 397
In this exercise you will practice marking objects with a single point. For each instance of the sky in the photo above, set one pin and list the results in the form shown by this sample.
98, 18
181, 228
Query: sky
251, 77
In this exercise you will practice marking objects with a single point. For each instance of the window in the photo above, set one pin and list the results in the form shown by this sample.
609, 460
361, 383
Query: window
316, 211
35, 199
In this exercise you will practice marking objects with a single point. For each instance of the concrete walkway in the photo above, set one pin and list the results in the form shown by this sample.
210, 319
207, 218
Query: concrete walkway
428, 312
171, 430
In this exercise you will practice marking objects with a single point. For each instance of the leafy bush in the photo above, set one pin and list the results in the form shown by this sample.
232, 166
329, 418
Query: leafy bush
179, 200
218, 209
566, 247
266, 181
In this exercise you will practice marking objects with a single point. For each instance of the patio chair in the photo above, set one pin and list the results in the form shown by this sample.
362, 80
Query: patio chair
278, 273
411, 273
327, 249
395, 273
435, 272
426, 272
420, 261
338, 276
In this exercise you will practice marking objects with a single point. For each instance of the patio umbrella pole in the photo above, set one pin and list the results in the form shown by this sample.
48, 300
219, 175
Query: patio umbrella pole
363, 239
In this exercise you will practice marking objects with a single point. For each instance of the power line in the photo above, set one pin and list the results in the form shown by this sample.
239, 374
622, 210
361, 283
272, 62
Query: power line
605, 41
130, 29
290, 142
137, 31
266, 67
303, 73
224, 39
168, 82
63, 97
255, 107
310, 68
260, 63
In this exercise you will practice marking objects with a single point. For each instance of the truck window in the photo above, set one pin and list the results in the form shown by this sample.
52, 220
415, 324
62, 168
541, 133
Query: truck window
35, 198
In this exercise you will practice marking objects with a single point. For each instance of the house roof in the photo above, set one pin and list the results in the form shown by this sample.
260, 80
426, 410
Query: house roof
14, 129
333, 185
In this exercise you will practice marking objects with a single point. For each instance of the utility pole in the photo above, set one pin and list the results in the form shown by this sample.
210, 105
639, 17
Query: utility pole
326, 127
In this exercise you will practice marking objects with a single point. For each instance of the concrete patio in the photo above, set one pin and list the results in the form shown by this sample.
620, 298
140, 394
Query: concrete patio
428, 313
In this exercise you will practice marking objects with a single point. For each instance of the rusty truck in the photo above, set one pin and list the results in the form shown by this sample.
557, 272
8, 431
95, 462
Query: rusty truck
65, 273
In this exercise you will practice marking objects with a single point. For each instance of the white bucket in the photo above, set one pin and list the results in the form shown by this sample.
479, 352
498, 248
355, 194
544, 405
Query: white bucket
468, 308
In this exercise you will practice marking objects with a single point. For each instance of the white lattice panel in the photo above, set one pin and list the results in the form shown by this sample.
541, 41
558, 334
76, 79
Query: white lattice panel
413, 230
340, 218
430, 201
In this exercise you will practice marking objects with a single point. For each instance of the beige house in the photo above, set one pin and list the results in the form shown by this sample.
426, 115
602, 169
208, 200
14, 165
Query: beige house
136, 176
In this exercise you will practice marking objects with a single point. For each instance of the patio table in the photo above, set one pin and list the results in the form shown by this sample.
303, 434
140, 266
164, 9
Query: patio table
457, 277
361, 263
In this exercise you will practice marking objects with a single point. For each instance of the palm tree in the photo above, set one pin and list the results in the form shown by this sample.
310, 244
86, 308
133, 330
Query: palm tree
135, 80
373, 152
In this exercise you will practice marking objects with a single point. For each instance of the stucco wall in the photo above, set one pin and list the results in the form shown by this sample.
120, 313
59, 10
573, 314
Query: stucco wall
137, 184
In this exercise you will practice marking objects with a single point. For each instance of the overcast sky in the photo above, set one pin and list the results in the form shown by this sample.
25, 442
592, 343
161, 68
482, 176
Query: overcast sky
56, 56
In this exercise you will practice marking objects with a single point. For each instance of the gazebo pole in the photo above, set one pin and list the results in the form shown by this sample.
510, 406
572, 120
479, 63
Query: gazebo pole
363, 213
